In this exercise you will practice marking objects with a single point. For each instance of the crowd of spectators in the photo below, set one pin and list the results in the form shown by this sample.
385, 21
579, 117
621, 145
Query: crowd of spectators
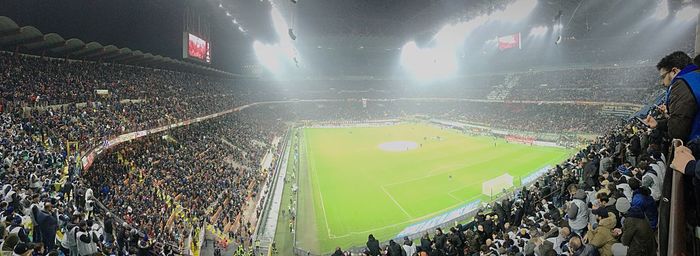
548, 118
210, 169
629, 84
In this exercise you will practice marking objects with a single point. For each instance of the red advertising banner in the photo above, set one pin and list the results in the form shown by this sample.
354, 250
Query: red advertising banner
510, 42
520, 139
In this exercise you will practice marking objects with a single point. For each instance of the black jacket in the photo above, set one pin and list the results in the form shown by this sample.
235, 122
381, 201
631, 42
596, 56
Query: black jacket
638, 236
373, 246
440, 241
681, 110
425, 244
395, 249
590, 174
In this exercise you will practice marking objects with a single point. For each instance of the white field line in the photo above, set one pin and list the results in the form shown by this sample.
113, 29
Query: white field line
309, 164
364, 232
397, 203
442, 170
459, 202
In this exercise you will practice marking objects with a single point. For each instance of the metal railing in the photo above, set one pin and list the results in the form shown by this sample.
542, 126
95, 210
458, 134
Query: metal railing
677, 221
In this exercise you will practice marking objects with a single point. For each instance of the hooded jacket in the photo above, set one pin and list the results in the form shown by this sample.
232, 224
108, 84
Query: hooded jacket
601, 237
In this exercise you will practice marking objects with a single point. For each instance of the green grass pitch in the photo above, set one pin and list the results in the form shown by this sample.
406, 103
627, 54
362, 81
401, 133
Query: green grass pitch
349, 187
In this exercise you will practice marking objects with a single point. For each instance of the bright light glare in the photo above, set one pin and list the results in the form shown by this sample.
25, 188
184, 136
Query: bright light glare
279, 24
661, 10
688, 13
428, 63
274, 56
539, 31
441, 59
454, 34
266, 56
516, 11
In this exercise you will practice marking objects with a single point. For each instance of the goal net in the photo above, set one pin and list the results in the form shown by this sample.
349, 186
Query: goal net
497, 185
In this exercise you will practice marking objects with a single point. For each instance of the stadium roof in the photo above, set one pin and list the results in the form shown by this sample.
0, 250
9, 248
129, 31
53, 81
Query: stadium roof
29, 39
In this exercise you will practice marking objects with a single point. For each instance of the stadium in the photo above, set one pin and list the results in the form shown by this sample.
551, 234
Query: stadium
335, 127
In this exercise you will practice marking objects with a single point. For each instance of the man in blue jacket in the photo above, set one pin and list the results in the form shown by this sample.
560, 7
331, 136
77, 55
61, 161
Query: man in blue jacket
678, 119
643, 200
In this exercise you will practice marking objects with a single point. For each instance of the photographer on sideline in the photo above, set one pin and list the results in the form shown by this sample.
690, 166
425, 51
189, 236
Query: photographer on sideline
677, 120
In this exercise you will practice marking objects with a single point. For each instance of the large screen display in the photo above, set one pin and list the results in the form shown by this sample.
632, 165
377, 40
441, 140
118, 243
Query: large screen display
198, 48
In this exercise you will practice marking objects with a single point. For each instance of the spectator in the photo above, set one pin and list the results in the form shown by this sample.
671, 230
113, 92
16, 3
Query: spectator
678, 111
578, 211
601, 237
23, 249
338, 252
578, 248
48, 224
395, 249
637, 234
373, 246
408, 246
425, 243
642, 199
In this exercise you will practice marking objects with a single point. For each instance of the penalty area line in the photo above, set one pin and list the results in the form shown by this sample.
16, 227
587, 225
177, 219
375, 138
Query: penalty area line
395, 202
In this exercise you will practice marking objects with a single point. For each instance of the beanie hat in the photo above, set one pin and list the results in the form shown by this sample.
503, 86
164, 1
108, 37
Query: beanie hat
622, 205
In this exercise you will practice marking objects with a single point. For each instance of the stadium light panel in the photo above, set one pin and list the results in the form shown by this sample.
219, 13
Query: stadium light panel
661, 10
688, 13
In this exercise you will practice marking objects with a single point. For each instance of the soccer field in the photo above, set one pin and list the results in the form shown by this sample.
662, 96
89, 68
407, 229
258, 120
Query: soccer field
352, 183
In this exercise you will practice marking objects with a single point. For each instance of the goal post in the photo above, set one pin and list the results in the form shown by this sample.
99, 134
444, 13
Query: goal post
497, 185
